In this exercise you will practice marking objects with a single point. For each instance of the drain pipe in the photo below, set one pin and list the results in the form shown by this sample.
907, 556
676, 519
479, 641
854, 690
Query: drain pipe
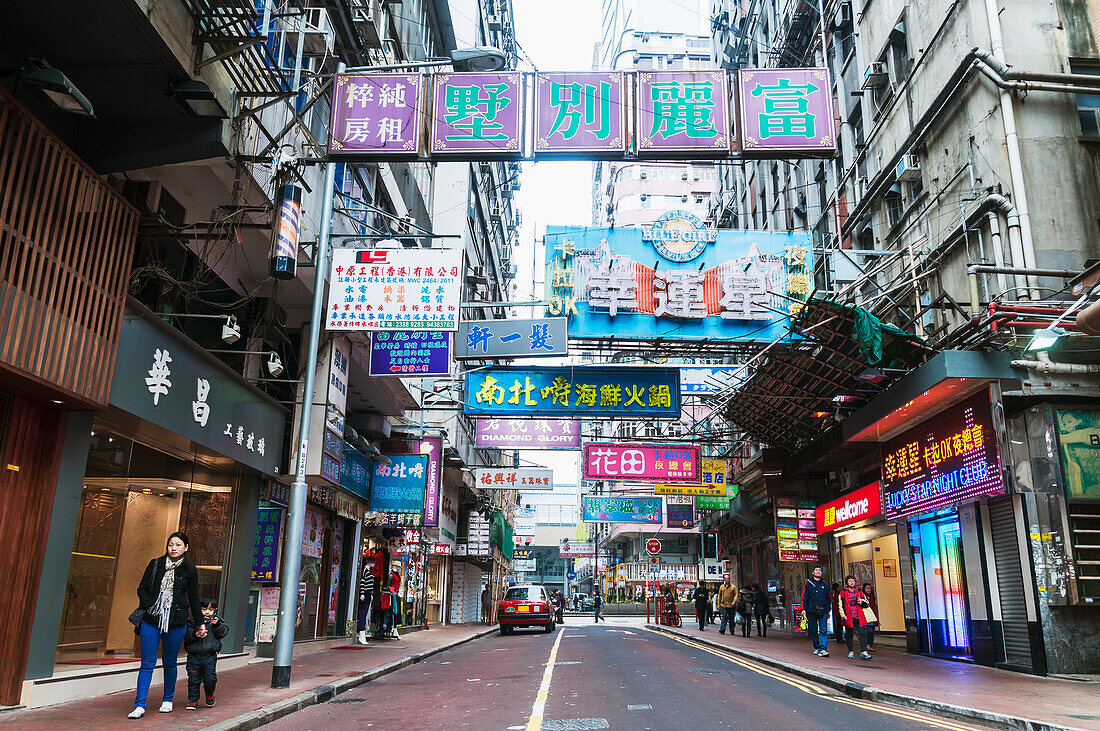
1045, 365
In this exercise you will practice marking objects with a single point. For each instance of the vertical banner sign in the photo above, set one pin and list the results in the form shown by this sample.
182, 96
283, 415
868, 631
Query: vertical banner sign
377, 114
410, 353
432, 448
394, 289
796, 529
683, 111
398, 487
265, 551
786, 110
642, 462
478, 113
712, 484
580, 113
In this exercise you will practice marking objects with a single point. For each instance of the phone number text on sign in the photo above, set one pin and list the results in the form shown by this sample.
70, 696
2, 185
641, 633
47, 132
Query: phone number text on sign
646, 462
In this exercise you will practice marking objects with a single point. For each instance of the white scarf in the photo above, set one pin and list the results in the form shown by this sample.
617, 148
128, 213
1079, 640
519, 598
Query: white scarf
163, 606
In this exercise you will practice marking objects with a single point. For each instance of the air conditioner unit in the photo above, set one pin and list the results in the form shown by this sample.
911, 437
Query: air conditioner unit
494, 22
684, 175
843, 15
643, 175
363, 18
476, 275
875, 76
644, 196
313, 24
908, 168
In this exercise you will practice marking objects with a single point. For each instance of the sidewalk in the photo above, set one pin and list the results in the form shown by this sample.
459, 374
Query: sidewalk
968, 692
245, 696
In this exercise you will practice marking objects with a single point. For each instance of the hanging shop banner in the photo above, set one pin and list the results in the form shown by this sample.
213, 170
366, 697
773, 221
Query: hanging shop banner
574, 391
859, 505
265, 550
1079, 443
528, 433
786, 110
683, 111
478, 113
377, 114
622, 509
708, 380
949, 459
705, 502
796, 529
487, 339
313, 534
432, 448
523, 522
580, 113
398, 487
394, 289
713, 483
676, 280
511, 478
680, 515
572, 549
355, 472
642, 462
410, 353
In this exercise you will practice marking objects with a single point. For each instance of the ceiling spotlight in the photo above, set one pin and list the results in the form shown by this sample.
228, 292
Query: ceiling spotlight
275, 365
1045, 339
231, 331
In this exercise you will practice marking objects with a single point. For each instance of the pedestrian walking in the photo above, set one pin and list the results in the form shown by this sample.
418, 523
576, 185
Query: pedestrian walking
869, 592
597, 602
702, 604
838, 626
167, 591
366, 598
760, 610
486, 604
744, 609
816, 605
712, 611
853, 605
559, 606
727, 600
203, 642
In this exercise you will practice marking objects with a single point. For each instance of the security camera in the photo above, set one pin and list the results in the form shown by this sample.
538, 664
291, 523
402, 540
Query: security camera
274, 365
231, 331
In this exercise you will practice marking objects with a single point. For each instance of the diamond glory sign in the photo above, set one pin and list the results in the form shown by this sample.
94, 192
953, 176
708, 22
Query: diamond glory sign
685, 114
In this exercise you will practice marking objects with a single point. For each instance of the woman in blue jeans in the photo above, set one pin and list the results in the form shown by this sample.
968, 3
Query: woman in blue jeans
168, 589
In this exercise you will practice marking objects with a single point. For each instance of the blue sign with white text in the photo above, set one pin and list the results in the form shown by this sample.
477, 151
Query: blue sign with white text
410, 353
482, 339
398, 487
576, 391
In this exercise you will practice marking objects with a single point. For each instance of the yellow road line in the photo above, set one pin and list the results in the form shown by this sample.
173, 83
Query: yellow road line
810, 689
535, 722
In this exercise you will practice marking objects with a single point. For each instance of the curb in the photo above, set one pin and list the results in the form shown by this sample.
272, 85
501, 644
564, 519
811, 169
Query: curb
321, 693
878, 695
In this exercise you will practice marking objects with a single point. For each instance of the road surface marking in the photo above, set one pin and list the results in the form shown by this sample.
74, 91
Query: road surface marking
820, 692
535, 722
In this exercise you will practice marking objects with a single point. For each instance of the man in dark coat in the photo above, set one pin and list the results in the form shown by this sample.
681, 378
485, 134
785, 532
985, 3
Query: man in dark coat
702, 604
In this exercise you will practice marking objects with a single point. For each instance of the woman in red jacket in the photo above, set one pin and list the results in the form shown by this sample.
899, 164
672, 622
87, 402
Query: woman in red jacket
852, 603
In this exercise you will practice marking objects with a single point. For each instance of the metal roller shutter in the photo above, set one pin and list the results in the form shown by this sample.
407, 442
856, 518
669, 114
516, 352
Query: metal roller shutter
1010, 581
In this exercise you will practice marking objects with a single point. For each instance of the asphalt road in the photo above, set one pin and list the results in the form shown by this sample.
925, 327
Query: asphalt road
584, 676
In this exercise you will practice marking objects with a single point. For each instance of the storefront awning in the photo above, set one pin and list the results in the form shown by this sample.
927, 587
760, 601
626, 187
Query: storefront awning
842, 357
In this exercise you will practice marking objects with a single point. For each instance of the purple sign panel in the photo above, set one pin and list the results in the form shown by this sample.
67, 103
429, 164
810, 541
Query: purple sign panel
786, 110
528, 433
683, 111
478, 113
410, 353
432, 448
579, 112
376, 113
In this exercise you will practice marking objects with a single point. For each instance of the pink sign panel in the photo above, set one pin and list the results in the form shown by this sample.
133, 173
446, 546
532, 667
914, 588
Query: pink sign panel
786, 110
683, 111
376, 113
662, 463
478, 113
580, 112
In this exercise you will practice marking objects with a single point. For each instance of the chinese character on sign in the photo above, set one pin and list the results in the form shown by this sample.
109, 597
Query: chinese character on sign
613, 287
609, 459
744, 295
679, 294
541, 337
786, 109
200, 408
572, 101
475, 108
682, 107
479, 336
158, 382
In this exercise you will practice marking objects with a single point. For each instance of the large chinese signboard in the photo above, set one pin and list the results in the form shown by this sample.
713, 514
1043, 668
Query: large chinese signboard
394, 289
528, 433
512, 478
622, 510
580, 113
376, 113
859, 505
484, 339
683, 111
676, 280
265, 551
949, 459
786, 110
398, 487
478, 113
679, 515
410, 353
796, 529
707, 503
642, 462
713, 482
432, 448
631, 393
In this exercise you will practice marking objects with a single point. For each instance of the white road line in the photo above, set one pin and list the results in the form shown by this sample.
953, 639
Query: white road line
539, 707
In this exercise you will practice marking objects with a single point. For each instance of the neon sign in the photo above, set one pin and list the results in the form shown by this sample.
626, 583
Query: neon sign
947, 460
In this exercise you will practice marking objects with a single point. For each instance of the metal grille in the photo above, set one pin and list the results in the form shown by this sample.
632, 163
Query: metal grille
66, 243
1010, 581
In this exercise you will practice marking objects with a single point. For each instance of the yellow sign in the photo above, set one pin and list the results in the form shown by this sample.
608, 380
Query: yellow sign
713, 482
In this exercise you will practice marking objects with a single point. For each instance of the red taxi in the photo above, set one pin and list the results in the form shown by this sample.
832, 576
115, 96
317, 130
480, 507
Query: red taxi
527, 605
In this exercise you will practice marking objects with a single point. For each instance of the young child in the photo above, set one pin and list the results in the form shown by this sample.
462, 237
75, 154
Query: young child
203, 642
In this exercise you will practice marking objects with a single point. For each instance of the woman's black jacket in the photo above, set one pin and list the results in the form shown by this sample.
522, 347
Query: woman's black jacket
185, 592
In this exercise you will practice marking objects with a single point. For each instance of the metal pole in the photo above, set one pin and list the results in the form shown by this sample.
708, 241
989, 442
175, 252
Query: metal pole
284, 633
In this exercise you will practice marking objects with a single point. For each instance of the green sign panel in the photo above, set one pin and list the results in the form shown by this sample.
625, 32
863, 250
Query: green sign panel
705, 502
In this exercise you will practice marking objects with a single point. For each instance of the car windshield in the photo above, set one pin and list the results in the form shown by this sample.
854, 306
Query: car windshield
530, 593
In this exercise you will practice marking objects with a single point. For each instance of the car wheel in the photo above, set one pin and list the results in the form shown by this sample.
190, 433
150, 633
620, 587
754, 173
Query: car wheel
549, 626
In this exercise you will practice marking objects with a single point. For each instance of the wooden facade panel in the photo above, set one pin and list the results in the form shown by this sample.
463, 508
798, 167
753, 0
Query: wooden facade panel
66, 243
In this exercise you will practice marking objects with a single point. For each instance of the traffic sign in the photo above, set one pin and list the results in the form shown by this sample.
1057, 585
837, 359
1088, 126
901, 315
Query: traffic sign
654, 561
572, 575
653, 546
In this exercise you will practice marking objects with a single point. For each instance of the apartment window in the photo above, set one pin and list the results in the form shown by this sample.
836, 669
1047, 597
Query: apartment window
899, 52
1088, 105
894, 204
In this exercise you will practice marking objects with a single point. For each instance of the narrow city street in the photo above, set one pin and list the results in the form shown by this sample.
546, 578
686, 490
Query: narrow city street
584, 676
